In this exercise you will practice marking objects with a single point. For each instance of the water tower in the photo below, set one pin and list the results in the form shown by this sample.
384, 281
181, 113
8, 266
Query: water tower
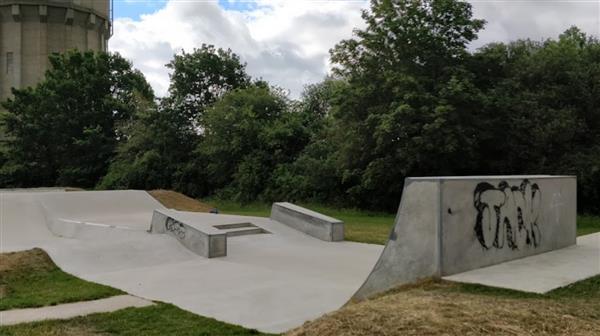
30, 30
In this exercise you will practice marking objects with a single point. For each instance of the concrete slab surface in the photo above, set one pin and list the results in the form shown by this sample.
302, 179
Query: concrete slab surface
271, 282
543, 272
70, 310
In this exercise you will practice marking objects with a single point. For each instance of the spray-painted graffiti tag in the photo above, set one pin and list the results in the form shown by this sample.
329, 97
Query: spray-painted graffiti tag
175, 227
507, 215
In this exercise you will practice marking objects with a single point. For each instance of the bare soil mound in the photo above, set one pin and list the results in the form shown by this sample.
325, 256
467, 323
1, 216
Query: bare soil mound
174, 200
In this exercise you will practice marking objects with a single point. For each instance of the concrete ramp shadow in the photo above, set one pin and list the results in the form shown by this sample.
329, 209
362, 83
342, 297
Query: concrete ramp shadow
448, 225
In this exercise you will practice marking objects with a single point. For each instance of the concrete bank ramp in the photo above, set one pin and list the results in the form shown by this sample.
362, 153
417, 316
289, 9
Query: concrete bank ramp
88, 214
449, 225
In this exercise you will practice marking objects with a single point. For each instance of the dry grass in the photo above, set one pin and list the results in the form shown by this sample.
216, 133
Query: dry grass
34, 260
437, 308
178, 201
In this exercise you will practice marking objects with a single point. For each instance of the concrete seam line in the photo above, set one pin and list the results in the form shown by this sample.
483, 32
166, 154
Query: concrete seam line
439, 265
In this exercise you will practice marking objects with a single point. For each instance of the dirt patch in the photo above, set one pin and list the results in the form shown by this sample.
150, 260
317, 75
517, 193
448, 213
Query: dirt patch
432, 310
35, 259
178, 201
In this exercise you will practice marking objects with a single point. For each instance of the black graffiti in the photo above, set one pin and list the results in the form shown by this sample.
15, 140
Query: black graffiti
507, 215
175, 227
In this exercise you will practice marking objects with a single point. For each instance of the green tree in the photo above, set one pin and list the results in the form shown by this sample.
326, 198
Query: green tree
410, 102
201, 77
248, 133
64, 130
159, 152
541, 110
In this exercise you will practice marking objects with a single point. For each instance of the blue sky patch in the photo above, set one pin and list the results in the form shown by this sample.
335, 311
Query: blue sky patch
135, 8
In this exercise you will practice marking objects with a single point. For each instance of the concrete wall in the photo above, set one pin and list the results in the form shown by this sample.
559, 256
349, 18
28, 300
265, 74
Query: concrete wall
447, 225
208, 242
310, 222
30, 30
485, 222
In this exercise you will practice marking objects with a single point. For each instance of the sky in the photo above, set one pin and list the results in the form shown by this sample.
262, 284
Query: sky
287, 42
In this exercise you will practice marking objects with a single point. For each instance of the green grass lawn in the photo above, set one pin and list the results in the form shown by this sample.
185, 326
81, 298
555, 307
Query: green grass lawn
587, 224
31, 279
363, 226
158, 320
588, 289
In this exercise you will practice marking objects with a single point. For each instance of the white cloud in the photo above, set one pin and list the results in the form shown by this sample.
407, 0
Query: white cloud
536, 19
288, 42
284, 42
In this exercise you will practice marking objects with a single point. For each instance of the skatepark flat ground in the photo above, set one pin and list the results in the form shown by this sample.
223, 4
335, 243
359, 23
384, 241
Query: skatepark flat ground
543, 272
271, 282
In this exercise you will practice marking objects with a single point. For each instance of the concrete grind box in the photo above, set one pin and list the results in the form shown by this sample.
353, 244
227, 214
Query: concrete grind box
448, 225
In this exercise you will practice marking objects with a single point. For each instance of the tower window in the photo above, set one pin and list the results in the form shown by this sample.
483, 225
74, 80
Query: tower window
9, 62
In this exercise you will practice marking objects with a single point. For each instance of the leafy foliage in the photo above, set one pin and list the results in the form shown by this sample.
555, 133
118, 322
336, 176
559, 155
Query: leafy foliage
406, 98
64, 131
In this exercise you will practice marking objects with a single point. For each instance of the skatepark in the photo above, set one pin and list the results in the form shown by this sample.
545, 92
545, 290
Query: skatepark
273, 274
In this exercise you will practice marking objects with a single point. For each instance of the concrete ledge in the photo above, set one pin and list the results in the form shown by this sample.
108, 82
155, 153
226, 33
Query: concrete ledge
207, 242
308, 221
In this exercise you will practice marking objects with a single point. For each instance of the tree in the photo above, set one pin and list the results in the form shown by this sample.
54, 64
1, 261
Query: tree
199, 78
160, 151
247, 134
410, 101
64, 130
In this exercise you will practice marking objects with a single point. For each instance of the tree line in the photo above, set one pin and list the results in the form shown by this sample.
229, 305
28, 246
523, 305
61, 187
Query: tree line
406, 97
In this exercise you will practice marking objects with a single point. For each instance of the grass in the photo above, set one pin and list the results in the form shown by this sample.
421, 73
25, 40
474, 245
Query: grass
31, 279
364, 226
588, 289
361, 226
160, 319
447, 308
587, 224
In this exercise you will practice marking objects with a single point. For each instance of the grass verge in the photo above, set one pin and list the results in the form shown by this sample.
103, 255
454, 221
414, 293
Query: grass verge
364, 226
447, 308
160, 319
587, 224
31, 279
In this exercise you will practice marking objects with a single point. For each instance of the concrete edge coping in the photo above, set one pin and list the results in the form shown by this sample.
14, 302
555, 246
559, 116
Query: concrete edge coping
308, 212
490, 177
207, 229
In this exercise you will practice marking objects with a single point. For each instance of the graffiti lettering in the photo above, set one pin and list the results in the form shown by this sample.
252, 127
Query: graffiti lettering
175, 227
507, 215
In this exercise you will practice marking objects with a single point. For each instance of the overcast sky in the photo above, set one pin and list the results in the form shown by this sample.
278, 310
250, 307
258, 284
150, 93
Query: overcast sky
287, 42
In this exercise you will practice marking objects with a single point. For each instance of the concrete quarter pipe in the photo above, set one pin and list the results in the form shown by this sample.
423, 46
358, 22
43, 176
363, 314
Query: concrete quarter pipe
448, 225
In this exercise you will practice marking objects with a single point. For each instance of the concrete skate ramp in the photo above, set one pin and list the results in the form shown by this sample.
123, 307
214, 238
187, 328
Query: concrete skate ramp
272, 282
448, 225
85, 213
